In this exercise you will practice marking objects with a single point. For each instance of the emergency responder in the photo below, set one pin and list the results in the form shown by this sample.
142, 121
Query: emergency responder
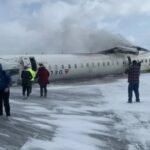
5, 82
33, 73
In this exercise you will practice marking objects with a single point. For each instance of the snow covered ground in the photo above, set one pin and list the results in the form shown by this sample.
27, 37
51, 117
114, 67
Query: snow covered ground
88, 115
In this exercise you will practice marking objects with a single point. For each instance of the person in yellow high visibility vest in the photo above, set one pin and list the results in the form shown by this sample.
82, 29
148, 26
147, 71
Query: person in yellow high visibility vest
33, 73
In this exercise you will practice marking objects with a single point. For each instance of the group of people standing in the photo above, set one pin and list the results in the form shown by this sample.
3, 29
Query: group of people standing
42, 75
28, 76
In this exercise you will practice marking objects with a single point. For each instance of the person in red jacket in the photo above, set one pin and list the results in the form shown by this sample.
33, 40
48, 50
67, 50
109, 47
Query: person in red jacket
42, 76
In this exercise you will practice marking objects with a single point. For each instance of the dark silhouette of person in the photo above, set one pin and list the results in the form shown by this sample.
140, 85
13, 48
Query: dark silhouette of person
133, 79
5, 82
42, 77
26, 82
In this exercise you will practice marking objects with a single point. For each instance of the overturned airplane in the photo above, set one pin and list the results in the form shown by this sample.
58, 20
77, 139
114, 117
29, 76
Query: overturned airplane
71, 66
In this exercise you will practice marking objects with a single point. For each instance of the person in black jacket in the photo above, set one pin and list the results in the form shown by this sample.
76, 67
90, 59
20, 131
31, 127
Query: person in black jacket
4, 92
26, 82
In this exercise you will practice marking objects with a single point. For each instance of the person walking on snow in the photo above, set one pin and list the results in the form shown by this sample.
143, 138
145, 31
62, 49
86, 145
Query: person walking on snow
42, 76
26, 82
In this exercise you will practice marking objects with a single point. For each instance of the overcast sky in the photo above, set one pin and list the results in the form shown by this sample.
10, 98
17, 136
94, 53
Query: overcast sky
64, 26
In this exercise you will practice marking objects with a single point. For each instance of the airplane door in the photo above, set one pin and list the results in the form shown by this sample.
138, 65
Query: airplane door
33, 63
28, 61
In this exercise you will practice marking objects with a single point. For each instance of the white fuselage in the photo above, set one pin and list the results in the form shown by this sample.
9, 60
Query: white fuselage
72, 66
77, 66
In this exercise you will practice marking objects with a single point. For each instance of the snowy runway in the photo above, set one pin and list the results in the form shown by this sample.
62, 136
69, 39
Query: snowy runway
89, 115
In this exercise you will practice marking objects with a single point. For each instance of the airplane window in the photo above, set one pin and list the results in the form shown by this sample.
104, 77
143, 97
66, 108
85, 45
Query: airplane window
49, 67
75, 65
87, 64
82, 65
69, 66
56, 67
92, 64
98, 64
12, 71
21, 62
117, 63
60, 71
103, 63
146, 60
108, 63
56, 72
124, 62
62, 66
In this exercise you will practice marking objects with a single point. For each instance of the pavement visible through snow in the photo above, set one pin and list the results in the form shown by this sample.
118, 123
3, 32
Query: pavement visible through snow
88, 115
